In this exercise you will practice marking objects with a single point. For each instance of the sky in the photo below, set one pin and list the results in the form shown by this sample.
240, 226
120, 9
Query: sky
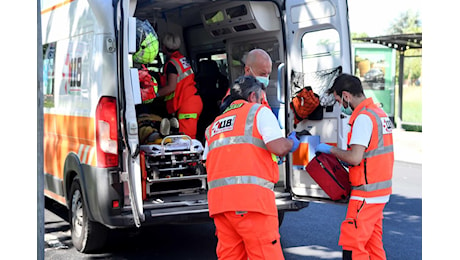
375, 16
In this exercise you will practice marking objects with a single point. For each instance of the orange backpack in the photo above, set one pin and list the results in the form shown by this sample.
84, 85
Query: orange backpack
304, 103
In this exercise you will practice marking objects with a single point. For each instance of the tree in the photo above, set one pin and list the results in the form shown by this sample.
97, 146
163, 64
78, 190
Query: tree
409, 22
406, 22
354, 35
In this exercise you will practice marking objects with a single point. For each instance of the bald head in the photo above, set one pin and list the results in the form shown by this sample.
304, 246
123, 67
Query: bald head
258, 63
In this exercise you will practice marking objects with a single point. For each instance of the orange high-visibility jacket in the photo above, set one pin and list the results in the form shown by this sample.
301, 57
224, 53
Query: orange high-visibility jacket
185, 82
241, 171
372, 177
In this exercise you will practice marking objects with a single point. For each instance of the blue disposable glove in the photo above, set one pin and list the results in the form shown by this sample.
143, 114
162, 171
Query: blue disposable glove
294, 138
323, 148
280, 160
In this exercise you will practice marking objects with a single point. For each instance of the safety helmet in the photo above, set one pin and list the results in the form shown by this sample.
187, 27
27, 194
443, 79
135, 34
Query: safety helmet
146, 41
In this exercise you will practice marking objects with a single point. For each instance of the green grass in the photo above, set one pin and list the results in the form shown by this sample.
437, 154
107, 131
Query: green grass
411, 107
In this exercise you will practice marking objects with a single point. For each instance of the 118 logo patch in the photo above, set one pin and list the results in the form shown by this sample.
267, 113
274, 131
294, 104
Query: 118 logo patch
387, 125
223, 125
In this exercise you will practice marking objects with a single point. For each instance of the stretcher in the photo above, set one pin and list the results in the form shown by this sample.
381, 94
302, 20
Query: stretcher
174, 166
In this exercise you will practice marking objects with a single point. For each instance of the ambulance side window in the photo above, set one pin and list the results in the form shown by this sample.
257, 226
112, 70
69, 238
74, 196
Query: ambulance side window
321, 60
320, 50
49, 60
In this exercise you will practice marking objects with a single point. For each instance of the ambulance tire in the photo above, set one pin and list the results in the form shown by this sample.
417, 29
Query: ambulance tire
87, 236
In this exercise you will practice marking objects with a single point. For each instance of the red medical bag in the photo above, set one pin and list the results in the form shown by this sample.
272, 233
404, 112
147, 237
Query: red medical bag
330, 175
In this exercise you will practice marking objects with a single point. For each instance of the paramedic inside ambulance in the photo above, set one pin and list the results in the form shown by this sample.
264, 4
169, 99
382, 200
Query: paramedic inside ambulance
259, 65
178, 87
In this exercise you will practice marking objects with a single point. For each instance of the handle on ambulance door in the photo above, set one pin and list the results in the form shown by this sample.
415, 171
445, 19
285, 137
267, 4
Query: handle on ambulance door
279, 83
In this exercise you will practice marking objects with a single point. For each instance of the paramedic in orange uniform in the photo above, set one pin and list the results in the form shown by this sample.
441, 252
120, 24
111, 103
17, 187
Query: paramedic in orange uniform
370, 156
178, 87
257, 64
241, 148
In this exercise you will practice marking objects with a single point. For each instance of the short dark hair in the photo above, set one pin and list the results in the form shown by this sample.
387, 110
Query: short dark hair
244, 86
347, 82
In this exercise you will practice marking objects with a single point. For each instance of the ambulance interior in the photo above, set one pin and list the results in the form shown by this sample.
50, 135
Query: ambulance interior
221, 33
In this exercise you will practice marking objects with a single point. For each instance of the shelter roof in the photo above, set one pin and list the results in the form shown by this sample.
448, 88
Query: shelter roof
399, 42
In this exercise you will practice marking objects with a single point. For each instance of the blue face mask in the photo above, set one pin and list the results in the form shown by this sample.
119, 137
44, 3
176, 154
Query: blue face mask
347, 111
263, 80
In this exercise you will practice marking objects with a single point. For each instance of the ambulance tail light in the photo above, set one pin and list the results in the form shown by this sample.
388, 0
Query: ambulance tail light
106, 133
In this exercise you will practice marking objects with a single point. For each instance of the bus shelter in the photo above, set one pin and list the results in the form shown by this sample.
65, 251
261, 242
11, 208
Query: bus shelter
401, 43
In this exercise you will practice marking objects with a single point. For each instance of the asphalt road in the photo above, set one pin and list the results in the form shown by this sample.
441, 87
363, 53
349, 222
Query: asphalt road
311, 233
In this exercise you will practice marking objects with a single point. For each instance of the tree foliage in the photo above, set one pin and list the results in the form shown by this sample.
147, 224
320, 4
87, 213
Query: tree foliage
406, 22
409, 22
354, 35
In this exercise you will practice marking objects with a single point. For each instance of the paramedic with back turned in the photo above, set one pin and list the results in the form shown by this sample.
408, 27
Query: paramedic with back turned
241, 148
370, 156
178, 87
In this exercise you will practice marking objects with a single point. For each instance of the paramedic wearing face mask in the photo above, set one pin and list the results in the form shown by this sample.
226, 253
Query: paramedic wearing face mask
370, 156
240, 150
259, 65
178, 87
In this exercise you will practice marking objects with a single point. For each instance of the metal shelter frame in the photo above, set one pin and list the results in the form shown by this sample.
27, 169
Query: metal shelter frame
401, 43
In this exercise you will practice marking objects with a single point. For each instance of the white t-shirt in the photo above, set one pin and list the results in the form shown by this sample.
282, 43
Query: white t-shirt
362, 131
268, 127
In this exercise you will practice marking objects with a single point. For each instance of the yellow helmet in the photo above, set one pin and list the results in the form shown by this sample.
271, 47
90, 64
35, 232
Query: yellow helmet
147, 43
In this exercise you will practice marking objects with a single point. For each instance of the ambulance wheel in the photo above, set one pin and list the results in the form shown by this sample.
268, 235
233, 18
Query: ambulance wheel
87, 236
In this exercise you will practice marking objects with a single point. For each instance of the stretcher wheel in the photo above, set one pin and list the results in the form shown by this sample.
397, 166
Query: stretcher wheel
200, 170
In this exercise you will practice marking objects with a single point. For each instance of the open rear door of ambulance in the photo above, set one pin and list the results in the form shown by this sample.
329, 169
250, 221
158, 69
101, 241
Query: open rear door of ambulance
318, 49
129, 130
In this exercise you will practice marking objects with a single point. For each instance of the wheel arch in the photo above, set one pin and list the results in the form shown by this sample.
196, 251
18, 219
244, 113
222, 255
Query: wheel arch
72, 170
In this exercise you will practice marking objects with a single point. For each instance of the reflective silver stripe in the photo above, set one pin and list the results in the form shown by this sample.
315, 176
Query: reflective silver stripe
379, 151
379, 126
207, 132
241, 180
373, 186
372, 200
250, 120
182, 75
246, 138
237, 140
381, 148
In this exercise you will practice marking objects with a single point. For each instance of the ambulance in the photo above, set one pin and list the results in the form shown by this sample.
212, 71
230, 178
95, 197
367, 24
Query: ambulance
94, 161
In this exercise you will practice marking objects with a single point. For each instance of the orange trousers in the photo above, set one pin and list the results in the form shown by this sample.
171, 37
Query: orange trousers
361, 231
188, 115
243, 235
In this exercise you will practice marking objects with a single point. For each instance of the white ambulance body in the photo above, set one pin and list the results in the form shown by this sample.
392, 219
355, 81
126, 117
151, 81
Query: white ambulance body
94, 163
